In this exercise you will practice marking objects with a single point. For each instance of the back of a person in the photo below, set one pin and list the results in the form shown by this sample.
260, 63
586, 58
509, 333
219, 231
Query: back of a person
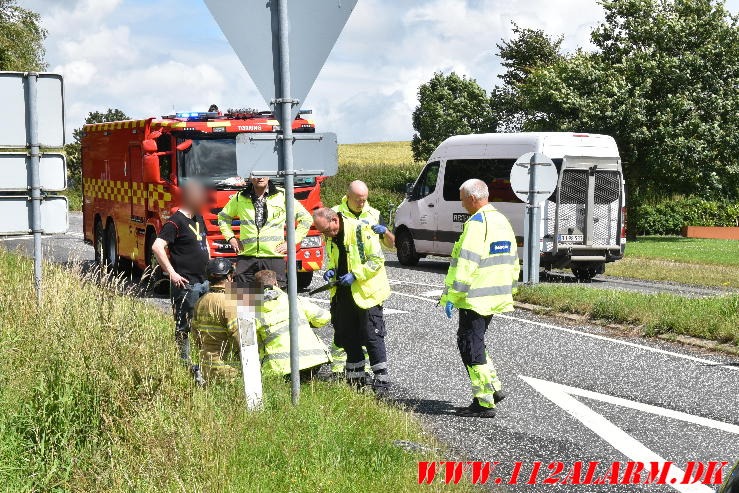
216, 330
274, 336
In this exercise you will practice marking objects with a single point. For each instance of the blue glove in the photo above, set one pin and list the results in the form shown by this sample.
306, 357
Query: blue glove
379, 229
448, 309
347, 279
328, 275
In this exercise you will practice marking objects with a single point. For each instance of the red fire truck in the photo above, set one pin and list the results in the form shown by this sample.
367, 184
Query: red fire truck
131, 176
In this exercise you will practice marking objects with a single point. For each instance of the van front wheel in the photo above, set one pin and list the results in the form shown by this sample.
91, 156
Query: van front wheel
406, 248
586, 272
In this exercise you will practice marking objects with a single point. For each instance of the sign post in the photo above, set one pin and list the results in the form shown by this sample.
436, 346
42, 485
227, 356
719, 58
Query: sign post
533, 180
35, 117
284, 50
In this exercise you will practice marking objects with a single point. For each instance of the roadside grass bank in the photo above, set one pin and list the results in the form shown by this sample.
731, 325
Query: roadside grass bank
704, 262
92, 399
713, 318
74, 198
386, 167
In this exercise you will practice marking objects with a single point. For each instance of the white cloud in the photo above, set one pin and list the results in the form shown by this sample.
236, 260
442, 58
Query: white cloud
150, 57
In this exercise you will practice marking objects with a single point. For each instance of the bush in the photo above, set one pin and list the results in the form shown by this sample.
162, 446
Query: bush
670, 215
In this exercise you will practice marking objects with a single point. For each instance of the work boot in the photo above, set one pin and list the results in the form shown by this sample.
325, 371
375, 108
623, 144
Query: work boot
381, 387
498, 396
475, 410
197, 375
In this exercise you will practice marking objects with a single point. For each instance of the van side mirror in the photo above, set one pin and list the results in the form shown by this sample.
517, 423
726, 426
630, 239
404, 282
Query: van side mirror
408, 189
151, 168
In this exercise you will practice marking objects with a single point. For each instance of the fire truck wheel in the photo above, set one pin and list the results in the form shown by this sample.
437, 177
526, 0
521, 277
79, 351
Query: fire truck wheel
153, 279
406, 248
99, 243
304, 280
111, 246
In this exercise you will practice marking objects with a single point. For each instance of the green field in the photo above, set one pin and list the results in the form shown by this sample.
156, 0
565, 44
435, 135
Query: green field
714, 318
684, 260
92, 399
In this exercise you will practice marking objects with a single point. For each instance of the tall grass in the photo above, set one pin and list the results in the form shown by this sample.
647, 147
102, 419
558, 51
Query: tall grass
92, 399
386, 167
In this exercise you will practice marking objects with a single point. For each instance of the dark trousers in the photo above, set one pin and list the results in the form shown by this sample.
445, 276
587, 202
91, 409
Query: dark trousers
183, 305
471, 337
246, 267
354, 328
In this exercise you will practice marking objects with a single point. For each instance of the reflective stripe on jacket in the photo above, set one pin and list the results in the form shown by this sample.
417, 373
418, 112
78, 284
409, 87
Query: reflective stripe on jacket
216, 330
484, 265
273, 334
364, 259
262, 242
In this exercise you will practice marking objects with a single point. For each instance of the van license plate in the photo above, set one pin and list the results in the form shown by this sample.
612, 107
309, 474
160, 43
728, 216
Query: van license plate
570, 238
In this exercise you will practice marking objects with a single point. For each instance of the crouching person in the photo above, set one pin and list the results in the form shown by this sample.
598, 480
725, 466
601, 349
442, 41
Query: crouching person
273, 330
215, 325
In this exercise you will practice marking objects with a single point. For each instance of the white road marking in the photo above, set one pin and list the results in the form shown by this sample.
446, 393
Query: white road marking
21, 237
433, 293
615, 436
385, 311
638, 406
596, 336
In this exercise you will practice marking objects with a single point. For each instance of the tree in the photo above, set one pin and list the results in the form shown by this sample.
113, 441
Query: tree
528, 50
448, 105
73, 151
663, 82
21, 38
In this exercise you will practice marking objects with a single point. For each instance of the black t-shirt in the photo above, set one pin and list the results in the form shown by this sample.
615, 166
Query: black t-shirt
188, 247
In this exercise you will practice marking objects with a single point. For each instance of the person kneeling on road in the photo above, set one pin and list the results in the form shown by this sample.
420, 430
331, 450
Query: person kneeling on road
480, 281
356, 263
215, 325
273, 330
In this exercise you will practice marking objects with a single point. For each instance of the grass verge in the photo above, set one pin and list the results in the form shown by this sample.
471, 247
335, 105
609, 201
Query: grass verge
92, 399
726, 276
714, 318
686, 250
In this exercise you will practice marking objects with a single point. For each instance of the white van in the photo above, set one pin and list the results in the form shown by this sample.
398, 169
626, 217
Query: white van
582, 221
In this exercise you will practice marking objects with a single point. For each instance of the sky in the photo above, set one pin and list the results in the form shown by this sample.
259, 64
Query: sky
155, 57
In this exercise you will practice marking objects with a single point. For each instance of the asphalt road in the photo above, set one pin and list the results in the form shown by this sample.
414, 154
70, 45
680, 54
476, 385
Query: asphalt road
575, 393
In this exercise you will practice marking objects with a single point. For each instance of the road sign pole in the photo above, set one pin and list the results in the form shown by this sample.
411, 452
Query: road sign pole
34, 154
284, 103
532, 233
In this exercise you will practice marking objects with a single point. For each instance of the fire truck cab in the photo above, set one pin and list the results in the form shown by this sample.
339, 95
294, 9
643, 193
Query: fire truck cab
132, 172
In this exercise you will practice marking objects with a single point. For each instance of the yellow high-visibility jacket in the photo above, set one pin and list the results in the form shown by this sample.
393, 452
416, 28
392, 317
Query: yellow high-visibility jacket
484, 266
368, 213
273, 334
364, 259
262, 242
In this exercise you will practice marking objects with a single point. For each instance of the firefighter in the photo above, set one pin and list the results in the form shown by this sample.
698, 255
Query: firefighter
355, 261
183, 234
355, 205
482, 273
273, 336
215, 325
260, 208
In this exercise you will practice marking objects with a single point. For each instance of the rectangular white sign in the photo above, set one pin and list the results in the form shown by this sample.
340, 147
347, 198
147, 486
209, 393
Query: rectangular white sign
50, 104
15, 215
15, 172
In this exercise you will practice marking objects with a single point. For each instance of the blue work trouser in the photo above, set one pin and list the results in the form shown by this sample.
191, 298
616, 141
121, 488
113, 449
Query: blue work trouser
183, 306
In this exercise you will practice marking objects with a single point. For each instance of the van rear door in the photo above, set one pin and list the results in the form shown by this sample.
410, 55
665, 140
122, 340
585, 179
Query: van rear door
589, 199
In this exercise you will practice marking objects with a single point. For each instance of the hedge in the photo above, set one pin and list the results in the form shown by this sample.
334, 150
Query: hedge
669, 216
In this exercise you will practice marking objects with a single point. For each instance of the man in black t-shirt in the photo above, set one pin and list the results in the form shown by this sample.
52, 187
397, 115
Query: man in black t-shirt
184, 235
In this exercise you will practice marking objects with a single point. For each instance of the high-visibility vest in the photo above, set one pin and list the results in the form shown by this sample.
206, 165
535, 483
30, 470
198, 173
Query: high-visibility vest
364, 259
484, 265
368, 213
262, 242
216, 332
273, 334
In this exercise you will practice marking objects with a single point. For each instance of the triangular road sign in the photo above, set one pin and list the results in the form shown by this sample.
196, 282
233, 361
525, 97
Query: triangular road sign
314, 27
